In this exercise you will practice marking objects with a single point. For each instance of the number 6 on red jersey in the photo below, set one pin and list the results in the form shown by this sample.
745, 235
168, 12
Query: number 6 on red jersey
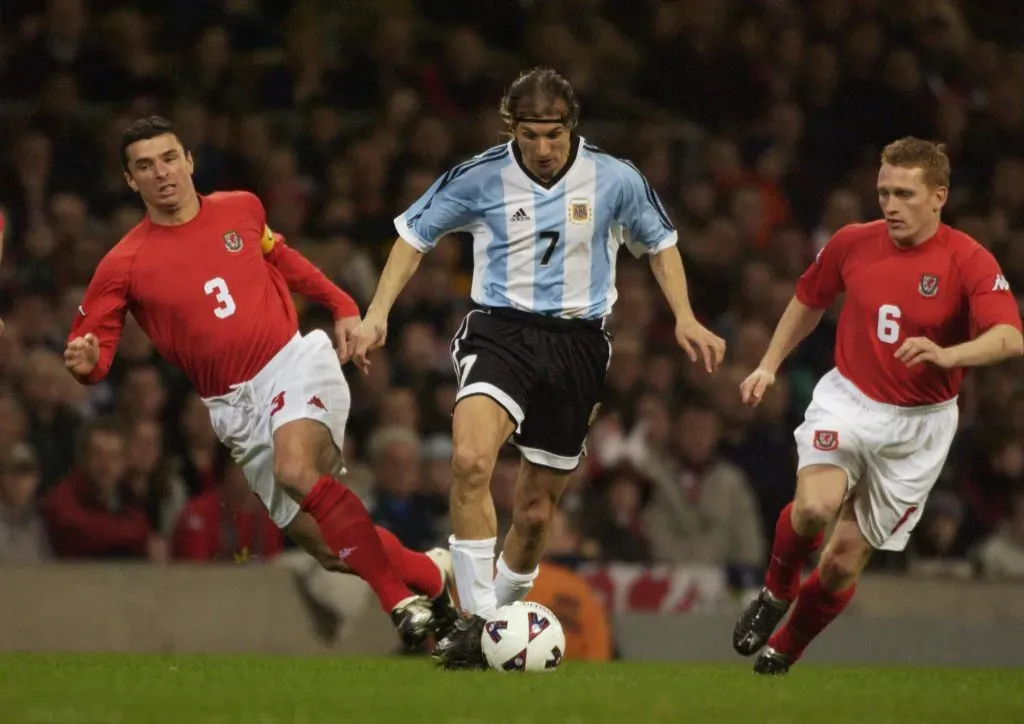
888, 323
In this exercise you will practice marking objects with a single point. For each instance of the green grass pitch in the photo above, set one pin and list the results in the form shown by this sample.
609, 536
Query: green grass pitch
140, 689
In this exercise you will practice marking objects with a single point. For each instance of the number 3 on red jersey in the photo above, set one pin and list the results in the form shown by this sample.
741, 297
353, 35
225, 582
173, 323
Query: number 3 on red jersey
888, 323
219, 287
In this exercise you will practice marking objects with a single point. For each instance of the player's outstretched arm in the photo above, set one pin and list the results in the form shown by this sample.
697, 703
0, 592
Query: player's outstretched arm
403, 261
302, 276
796, 323
692, 336
97, 326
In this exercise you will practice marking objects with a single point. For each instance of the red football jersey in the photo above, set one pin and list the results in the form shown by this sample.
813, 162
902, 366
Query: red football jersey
212, 294
949, 289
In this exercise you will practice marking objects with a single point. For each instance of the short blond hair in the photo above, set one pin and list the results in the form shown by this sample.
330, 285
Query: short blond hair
929, 156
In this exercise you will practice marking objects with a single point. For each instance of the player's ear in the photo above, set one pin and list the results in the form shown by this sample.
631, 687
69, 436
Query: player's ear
941, 194
131, 182
189, 162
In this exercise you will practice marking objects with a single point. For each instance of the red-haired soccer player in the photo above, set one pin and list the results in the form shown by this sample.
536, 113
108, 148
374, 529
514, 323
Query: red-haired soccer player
923, 302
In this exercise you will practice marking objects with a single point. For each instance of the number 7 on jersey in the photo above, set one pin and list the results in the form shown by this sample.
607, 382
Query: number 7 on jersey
219, 287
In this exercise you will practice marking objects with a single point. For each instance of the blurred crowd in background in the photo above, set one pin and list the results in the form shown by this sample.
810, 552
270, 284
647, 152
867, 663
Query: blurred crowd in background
759, 123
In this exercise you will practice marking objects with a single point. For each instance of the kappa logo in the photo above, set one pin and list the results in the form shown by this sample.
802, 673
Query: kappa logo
317, 402
1001, 285
232, 242
826, 440
929, 285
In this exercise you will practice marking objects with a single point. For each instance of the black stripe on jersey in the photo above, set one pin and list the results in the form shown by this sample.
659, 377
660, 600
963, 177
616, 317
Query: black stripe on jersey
652, 197
494, 154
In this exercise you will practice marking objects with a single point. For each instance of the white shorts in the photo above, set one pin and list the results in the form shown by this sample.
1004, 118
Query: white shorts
302, 381
892, 455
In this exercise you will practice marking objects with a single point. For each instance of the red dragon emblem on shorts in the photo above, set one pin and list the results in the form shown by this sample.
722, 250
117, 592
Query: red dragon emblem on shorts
826, 440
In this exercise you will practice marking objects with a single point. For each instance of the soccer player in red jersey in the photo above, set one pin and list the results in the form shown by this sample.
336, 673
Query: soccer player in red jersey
211, 285
923, 302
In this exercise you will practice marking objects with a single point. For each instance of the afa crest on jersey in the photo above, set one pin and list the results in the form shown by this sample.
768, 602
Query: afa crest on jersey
826, 440
232, 241
579, 211
929, 285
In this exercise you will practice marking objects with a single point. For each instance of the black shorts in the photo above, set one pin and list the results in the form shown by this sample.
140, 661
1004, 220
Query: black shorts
547, 373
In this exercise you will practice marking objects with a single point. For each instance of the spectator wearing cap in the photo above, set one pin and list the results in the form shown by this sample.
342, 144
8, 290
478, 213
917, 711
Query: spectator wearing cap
23, 537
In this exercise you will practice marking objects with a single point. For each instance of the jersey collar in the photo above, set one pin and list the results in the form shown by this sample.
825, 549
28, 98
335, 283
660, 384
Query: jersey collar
574, 149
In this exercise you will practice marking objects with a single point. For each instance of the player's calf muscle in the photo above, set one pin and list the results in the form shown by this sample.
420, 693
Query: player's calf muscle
846, 554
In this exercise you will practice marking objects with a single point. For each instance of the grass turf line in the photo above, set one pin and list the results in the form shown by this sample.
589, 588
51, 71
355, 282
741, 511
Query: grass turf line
130, 689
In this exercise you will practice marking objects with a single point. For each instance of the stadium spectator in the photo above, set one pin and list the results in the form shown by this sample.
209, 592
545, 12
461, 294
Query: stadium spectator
86, 514
227, 523
23, 537
760, 130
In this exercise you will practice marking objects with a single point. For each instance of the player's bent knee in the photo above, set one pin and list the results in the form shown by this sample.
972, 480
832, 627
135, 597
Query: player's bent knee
820, 491
471, 467
844, 557
813, 514
296, 476
840, 568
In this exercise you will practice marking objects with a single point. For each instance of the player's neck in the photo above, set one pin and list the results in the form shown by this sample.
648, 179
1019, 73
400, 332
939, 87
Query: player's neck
188, 210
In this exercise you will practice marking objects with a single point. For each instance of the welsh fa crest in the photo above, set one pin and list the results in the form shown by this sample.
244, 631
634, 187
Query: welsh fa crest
232, 242
827, 440
929, 285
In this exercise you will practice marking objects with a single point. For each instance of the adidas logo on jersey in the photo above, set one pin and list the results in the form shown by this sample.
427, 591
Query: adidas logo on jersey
520, 215
1001, 284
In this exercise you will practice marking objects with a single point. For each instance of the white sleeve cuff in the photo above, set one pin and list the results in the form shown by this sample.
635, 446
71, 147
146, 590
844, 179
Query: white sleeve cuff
665, 243
411, 237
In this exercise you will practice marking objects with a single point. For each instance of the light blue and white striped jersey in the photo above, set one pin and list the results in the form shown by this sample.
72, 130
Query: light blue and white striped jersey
547, 249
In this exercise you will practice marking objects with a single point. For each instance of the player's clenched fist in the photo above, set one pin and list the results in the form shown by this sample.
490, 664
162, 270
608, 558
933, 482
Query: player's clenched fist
82, 354
753, 388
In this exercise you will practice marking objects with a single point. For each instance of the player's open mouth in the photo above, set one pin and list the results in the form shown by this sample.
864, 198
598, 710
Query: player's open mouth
167, 189
895, 223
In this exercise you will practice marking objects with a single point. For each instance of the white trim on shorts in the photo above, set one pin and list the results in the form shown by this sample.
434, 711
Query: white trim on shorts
547, 459
498, 395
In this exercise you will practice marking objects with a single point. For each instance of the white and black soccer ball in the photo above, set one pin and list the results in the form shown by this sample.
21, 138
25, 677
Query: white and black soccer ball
524, 636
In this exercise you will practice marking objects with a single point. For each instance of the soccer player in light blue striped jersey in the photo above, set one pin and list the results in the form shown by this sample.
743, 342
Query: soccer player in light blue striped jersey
548, 213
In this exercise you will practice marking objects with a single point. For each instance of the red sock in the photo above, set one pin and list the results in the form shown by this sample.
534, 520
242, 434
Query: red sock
790, 552
349, 532
815, 609
413, 567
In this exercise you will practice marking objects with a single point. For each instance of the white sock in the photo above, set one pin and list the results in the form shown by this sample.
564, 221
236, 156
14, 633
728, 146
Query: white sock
510, 586
473, 561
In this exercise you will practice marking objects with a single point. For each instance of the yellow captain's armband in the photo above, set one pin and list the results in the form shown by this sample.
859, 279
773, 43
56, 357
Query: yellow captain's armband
267, 240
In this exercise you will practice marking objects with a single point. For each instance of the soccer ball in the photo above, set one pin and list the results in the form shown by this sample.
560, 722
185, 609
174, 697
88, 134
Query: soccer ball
524, 636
